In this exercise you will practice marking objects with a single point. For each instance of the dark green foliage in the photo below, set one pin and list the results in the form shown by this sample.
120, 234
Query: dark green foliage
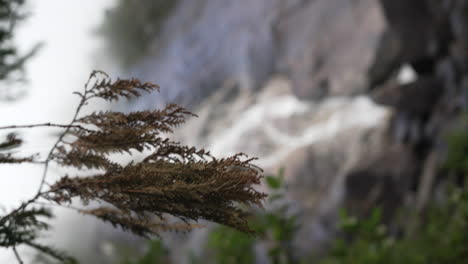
278, 226
441, 237
23, 227
11, 142
156, 254
130, 27
11, 63
231, 247
370, 241
273, 182
457, 149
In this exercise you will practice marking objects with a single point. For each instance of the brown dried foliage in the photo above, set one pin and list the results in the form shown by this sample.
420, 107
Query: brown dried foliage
187, 189
110, 90
172, 179
142, 226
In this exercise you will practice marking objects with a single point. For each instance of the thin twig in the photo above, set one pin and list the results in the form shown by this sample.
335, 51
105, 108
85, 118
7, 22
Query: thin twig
17, 255
49, 156
47, 161
44, 125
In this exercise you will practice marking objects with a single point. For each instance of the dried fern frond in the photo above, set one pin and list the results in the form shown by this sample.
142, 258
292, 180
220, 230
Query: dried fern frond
172, 179
80, 160
119, 132
209, 190
110, 90
174, 151
158, 121
144, 226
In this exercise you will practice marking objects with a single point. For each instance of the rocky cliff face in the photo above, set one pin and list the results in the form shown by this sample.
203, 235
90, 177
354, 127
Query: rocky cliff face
325, 47
290, 82
281, 80
429, 36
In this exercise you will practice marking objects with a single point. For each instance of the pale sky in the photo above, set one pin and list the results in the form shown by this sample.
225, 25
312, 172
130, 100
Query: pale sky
62, 66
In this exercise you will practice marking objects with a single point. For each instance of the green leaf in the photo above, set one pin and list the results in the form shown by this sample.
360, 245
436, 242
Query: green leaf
273, 182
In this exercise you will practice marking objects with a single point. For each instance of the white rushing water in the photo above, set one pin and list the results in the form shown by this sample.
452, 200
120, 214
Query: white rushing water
278, 123
341, 114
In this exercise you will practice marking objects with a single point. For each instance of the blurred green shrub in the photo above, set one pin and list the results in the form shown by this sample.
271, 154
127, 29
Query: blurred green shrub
156, 254
441, 233
441, 237
230, 246
12, 13
457, 149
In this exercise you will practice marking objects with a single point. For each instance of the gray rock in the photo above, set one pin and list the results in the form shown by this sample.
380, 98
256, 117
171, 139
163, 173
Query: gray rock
325, 47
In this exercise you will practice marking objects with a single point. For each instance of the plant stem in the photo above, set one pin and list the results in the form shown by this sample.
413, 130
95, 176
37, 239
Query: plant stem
43, 125
17, 255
